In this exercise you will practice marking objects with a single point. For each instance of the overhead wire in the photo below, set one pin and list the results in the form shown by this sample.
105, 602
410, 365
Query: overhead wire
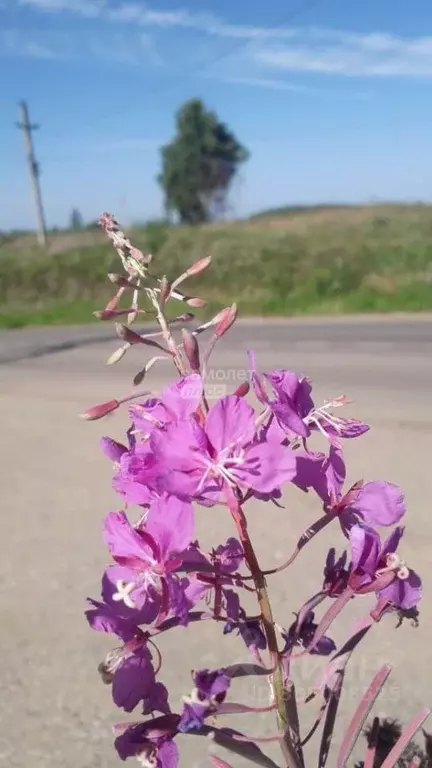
240, 44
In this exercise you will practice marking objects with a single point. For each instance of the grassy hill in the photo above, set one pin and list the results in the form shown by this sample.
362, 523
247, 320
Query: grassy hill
320, 259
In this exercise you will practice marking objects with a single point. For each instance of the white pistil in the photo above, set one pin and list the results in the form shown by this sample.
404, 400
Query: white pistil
148, 759
123, 593
403, 572
222, 467
394, 563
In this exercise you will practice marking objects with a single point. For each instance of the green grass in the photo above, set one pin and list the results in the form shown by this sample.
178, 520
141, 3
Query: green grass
321, 261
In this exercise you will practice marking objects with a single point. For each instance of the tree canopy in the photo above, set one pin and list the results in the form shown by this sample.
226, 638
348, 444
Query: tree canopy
76, 220
199, 165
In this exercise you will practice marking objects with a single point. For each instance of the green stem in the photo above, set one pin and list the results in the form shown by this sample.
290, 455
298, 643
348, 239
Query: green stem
287, 743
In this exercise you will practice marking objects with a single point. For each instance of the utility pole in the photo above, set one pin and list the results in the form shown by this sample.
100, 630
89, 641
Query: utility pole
27, 128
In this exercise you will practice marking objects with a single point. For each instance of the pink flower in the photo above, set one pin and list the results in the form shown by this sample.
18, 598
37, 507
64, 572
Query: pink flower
147, 557
200, 461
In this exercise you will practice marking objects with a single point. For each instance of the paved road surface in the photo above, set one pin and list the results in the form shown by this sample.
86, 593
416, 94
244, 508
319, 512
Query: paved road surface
54, 712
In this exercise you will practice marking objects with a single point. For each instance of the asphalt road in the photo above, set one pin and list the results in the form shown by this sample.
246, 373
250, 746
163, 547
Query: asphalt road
54, 711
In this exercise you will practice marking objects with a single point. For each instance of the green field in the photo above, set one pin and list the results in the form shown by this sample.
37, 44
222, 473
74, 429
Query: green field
324, 260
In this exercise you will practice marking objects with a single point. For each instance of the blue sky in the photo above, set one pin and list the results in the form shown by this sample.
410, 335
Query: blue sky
333, 98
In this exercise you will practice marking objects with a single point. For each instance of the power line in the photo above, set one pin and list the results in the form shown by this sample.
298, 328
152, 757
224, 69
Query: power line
304, 7
34, 170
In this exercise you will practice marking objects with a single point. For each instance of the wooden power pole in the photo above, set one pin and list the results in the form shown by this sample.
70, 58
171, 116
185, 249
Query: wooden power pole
27, 128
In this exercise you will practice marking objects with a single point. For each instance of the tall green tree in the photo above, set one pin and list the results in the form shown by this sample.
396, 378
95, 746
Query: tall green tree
76, 220
199, 165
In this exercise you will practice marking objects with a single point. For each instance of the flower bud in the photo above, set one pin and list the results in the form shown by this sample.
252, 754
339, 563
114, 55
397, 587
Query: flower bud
123, 282
226, 319
127, 334
198, 266
194, 301
164, 290
117, 355
191, 348
242, 389
99, 411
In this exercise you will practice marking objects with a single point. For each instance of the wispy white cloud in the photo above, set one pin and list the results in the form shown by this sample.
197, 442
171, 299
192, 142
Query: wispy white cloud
339, 53
266, 82
325, 51
112, 47
274, 84
87, 8
145, 15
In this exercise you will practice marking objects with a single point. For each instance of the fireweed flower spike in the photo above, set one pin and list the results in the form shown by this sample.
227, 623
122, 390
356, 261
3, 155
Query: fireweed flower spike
181, 451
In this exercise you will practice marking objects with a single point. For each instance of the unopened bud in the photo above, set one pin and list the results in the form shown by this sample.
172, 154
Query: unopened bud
127, 334
112, 449
227, 319
194, 301
186, 318
195, 269
114, 302
99, 411
191, 348
165, 288
139, 377
242, 389
122, 282
117, 355
198, 266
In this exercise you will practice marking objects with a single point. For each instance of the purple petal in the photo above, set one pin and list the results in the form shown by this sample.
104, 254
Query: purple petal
211, 683
365, 549
231, 419
127, 545
391, 544
134, 493
134, 742
230, 555
179, 601
274, 431
170, 522
292, 388
347, 428
256, 380
137, 476
103, 618
289, 418
380, 503
310, 473
168, 754
112, 449
149, 415
178, 445
232, 604
196, 591
267, 467
133, 680
157, 700
184, 396
193, 716
335, 472
284, 382
147, 601
404, 593
324, 647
